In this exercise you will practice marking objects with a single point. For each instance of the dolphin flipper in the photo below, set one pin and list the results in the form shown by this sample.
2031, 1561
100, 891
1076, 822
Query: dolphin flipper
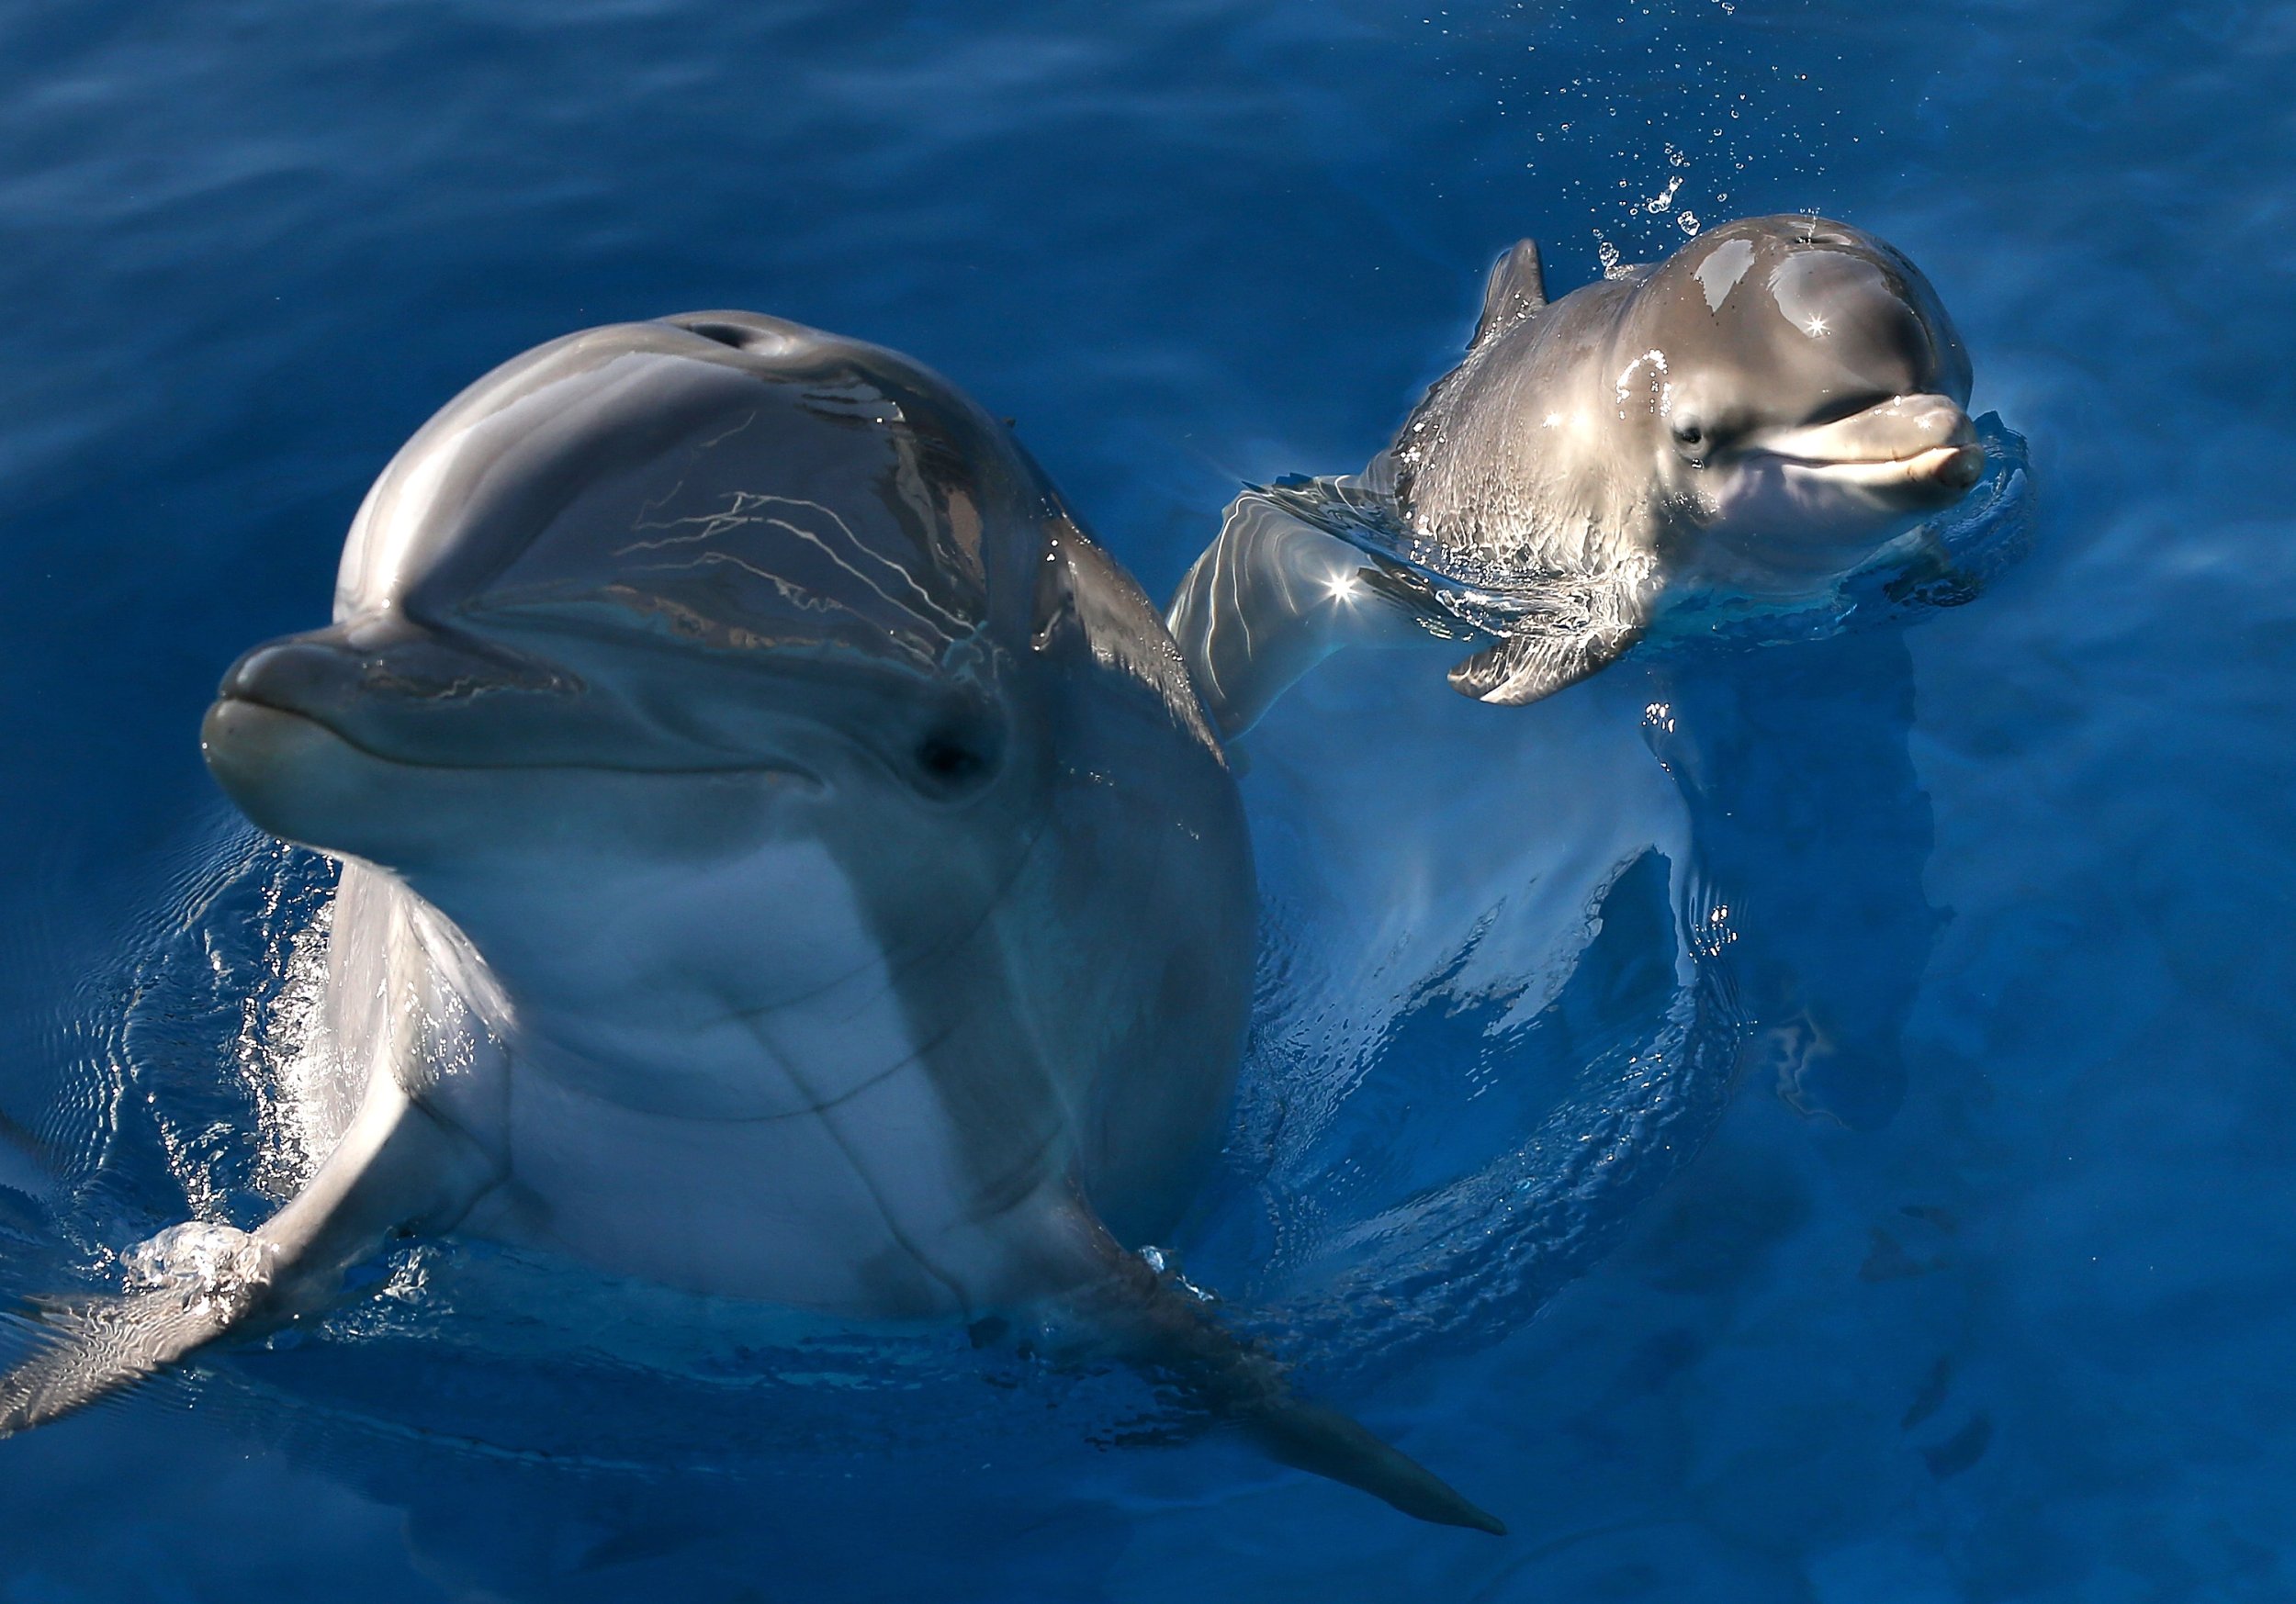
1272, 598
1163, 1328
1526, 668
399, 1169
93, 1349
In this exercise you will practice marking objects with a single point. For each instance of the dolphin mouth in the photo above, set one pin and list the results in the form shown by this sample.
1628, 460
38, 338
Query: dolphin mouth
1952, 467
1922, 443
226, 725
421, 700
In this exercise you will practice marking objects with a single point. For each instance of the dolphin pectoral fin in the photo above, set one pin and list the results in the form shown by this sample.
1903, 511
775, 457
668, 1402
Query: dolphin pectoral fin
397, 1170
1524, 668
88, 1350
1321, 1441
1272, 598
1167, 1330
1516, 289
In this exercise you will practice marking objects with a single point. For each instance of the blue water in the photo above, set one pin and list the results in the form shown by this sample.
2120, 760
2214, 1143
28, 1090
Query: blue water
1941, 1248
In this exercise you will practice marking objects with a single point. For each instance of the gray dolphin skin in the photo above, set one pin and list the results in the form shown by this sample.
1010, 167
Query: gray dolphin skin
1755, 417
783, 858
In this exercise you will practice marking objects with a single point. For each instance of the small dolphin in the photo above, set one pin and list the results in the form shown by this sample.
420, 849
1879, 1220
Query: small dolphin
1753, 418
783, 858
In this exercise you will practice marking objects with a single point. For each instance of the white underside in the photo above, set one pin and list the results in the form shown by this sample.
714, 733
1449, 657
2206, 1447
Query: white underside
825, 1170
846, 1210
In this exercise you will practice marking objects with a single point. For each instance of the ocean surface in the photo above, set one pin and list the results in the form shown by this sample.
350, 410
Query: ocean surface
1805, 1123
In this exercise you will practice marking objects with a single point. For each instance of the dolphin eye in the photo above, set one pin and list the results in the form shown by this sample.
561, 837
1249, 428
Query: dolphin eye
952, 760
1690, 437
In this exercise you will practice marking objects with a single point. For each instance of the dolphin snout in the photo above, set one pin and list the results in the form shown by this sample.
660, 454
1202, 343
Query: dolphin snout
305, 674
383, 685
1962, 467
1910, 452
1941, 417
1934, 441
350, 670
1951, 459
1893, 431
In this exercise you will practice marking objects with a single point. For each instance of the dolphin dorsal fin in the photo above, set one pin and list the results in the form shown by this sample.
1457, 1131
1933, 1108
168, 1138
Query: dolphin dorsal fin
1516, 289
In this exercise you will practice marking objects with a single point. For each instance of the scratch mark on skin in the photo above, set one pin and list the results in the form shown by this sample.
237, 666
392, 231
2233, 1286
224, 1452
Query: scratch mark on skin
667, 497
869, 1184
744, 511
823, 1105
716, 440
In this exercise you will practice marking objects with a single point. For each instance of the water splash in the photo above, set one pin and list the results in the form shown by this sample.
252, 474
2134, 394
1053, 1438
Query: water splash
1676, 106
305, 1095
203, 1260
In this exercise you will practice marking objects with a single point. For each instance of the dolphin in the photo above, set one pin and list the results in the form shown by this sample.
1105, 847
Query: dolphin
1750, 422
783, 858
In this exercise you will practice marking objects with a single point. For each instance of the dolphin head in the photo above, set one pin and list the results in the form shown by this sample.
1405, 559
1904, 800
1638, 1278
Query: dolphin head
645, 624
1802, 392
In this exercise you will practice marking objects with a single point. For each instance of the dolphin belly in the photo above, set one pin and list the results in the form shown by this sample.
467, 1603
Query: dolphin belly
870, 1142
811, 1209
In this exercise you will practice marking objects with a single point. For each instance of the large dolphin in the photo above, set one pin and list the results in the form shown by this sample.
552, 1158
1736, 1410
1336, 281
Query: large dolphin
783, 858
1752, 419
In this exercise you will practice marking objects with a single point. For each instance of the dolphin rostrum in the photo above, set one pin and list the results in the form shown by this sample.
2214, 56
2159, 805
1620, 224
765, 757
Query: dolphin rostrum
783, 858
1752, 419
